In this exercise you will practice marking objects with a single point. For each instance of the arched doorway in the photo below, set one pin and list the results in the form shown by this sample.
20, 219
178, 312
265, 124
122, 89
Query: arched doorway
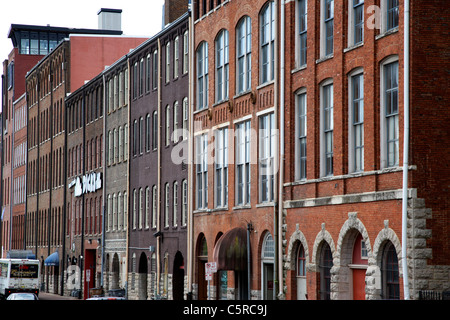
390, 273
202, 258
325, 265
300, 272
115, 272
142, 280
358, 268
267, 266
178, 277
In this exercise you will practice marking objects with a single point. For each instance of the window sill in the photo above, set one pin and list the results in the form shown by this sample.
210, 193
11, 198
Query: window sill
386, 33
265, 204
328, 57
356, 46
303, 67
242, 207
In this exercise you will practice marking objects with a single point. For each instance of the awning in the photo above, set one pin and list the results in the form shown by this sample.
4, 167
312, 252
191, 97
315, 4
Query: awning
52, 260
230, 252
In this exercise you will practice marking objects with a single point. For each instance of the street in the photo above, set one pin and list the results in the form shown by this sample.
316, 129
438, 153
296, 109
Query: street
51, 296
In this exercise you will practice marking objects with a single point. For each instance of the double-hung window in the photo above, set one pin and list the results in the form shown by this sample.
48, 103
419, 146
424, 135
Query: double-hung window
267, 146
167, 126
392, 14
267, 42
243, 163
155, 70
357, 122
168, 62
202, 76
185, 119
358, 21
327, 27
155, 130
221, 167
175, 204
175, 122
184, 208
202, 171
244, 57
222, 70
301, 136
302, 11
390, 98
176, 57
327, 129
185, 52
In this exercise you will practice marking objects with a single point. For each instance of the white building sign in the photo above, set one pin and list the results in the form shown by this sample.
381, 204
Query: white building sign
88, 183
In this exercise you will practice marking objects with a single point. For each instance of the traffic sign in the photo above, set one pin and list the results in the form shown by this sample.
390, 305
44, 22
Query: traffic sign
211, 267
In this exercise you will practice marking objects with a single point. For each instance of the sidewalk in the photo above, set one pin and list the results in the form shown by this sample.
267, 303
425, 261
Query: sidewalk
52, 296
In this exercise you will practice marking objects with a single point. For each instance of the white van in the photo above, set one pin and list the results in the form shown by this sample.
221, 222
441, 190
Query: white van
19, 275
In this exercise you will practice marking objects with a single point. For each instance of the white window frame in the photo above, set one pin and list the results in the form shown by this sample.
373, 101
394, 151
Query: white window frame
147, 207
167, 126
201, 185
243, 168
267, 43
355, 163
175, 122
167, 62
185, 118
202, 76
267, 152
244, 55
222, 65
326, 130
221, 168
184, 209
324, 20
355, 7
154, 205
301, 32
185, 52
167, 204
176, 56
383, 120
175, 205
301, 119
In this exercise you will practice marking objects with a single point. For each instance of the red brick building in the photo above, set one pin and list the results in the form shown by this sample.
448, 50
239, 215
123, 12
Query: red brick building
234, 115
332, 74
344, 147
75, 60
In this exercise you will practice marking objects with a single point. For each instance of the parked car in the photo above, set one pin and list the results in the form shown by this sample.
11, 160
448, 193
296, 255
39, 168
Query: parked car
107, 298
22, 296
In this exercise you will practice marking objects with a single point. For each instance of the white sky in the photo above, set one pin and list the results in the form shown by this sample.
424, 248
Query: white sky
139, 17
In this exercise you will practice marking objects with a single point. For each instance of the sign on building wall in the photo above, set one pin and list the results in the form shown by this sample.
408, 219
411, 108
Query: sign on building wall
88, 183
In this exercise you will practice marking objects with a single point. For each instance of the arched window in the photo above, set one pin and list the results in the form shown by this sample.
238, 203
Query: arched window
390, 273
243, 51
222, 70
325, 265
202, 76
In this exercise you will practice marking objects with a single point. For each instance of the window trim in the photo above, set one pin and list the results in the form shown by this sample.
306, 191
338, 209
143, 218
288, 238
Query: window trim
323, 157
269, 9
246, 24
298, 156
222, 65
383, 124
351, 124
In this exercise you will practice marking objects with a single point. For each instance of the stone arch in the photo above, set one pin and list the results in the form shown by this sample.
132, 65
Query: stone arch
323, 235
296, 238
344, 252
373, 273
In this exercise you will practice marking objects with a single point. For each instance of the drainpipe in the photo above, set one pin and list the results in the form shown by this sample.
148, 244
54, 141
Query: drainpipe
275, 164
281, 162
405, 149
104, 182
190, 140
158, 204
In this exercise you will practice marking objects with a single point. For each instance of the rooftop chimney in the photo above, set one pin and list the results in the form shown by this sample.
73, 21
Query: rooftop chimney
110, 19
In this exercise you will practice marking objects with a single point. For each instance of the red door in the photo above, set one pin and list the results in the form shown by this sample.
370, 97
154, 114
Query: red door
359, 284
89, 264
